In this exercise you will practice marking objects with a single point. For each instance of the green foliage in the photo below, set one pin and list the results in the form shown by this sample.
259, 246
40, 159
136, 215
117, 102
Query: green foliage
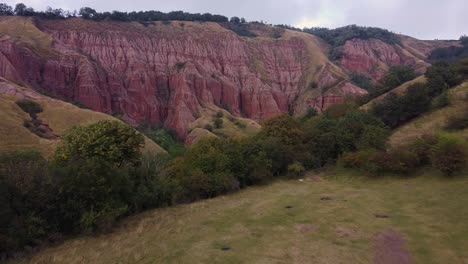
362, 81
296, 170
219, 114
329, 137
452, 53
395, 77
441, 100
310, 113
30, 107
283, 127
395, 110
111, 141
240, 125
458, 121
166, 138
398, 75
338, 37
209, 127
240, 29
24, 195
449, 155
218, 123
90, 194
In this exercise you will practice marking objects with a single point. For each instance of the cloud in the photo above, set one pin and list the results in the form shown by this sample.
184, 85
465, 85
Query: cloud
427, 19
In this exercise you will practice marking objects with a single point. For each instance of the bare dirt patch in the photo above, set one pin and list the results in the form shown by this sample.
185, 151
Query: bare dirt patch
306, 228
389, 248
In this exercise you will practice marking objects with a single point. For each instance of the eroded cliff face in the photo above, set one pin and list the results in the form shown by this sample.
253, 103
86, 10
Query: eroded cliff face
373, 57
167, 73
164, 74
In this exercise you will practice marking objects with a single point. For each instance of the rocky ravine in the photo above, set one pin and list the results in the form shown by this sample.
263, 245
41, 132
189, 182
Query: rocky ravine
166, 73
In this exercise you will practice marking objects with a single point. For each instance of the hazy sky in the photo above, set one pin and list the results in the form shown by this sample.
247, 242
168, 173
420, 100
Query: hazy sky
425, 19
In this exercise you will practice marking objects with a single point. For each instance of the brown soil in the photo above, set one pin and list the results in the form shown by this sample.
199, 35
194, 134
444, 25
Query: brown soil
389, 248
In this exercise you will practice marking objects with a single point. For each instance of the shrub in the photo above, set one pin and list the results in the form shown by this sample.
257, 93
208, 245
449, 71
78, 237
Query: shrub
449, 155
296, 170
29, 106
87, 192
219, 114
209, 127
240, 125
24, 196
218, 123
359, 160
441, 101
397, 160
283, 127
111, 141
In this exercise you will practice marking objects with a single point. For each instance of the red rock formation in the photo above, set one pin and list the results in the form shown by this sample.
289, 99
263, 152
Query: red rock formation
374, 57
166, 73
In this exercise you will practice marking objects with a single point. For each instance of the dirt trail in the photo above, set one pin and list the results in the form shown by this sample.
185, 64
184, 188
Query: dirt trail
389, 248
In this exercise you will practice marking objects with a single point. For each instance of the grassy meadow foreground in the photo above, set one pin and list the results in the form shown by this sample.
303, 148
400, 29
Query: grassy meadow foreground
332, 218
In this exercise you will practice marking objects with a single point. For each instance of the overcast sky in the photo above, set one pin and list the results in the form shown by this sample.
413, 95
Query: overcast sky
424, 19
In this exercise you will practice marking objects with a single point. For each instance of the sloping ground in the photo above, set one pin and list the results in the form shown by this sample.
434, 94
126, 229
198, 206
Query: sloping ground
399, 90
60, 117
333, 219
434, 122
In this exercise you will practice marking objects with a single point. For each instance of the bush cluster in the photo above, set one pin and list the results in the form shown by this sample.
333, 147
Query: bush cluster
98, 175
444, 153
395, 110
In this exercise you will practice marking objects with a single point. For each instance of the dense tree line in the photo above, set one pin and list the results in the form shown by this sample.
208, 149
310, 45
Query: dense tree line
89, 13
396, 76
452, 53
338, 36
395, 110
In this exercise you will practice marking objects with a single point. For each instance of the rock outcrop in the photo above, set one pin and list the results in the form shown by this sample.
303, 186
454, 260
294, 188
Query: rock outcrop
165, 73
373, 57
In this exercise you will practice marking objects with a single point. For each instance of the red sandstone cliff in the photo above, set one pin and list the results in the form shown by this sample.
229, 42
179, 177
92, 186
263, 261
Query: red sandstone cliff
374, 57
165, 74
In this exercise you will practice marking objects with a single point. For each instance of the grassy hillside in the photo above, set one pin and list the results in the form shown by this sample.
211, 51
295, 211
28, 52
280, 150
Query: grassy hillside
434, 122
398, 90
60, 117
328, 219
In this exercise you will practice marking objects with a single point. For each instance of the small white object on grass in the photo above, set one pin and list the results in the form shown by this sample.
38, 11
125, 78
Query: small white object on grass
301, 180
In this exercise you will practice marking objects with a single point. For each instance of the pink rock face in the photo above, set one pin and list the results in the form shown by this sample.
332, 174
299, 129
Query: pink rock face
164, 74
373, 57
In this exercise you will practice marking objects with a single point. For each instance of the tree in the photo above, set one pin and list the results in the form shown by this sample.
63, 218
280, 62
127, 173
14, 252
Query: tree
5, 10
464, 40
112, 141
284, 127
235, 20
22, 10
87, 13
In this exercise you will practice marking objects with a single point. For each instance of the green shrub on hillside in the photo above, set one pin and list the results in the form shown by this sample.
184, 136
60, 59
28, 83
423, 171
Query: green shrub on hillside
449, 155
30, 107
111, 141
218, 123
458, 121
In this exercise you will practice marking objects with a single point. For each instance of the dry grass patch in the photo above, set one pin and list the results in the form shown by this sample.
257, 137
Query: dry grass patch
286, 222
59, 115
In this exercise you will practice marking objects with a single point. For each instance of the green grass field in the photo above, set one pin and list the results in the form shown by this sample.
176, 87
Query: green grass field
292, 221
